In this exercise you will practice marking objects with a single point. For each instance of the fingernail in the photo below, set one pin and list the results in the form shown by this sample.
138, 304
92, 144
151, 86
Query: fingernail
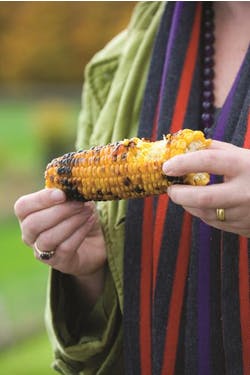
57, 195
166, 168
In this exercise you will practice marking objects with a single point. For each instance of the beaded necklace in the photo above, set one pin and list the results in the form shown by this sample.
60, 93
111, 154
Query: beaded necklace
207, 63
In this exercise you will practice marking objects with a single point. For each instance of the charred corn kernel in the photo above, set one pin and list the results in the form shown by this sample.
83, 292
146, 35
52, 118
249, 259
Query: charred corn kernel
128, 169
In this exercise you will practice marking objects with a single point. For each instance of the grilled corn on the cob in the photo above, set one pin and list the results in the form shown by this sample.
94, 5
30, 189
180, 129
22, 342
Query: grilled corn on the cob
131, 168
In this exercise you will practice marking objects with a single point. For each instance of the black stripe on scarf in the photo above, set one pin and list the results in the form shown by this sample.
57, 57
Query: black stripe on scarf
230, 304
191, 339
216, 339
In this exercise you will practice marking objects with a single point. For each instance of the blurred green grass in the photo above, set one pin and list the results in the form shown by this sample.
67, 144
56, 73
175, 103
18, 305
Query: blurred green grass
18, 144
24, 346
22, 279
31, 357
21, 139
23, 283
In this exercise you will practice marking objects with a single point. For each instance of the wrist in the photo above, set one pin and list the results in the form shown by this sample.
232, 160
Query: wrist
90, 287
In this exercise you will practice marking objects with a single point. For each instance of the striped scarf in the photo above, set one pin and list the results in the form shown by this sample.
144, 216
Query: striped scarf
186, 284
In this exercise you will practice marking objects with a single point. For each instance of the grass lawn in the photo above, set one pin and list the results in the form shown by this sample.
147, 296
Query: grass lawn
32, 357
23, 280
24, 124
17, 135
22, 285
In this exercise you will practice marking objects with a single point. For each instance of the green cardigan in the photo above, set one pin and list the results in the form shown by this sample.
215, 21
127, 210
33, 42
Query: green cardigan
90, 342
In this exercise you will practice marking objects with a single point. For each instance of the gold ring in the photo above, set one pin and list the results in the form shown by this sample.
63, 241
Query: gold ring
44, 255
220, 214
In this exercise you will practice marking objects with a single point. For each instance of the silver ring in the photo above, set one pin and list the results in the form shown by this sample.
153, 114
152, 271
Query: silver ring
220, 214
44, 255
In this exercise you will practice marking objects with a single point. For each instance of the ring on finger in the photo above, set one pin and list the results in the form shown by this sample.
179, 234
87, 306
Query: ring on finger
44, 255
220, 214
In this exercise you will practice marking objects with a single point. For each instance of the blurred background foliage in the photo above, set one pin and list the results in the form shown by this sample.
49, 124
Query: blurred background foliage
50, 41
44, 49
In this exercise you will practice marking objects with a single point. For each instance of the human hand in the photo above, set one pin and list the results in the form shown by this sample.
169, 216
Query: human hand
71, 229
233, 194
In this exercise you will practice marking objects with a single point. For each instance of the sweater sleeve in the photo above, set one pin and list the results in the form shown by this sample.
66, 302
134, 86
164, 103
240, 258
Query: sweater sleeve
84, 341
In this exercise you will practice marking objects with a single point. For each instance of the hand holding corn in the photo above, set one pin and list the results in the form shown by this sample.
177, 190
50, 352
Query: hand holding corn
131, 168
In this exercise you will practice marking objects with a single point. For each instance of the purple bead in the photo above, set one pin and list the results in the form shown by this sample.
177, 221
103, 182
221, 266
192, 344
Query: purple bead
208, 11
207, 119
208, 50
208, 132
208, 73
208, 61
208, 95
208, 25
207, 106
208, 84
208, 37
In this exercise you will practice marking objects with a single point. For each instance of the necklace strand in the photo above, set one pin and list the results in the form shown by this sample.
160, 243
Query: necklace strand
207, 63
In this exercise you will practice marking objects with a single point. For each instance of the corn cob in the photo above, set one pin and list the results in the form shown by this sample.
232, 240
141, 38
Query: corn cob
131, 168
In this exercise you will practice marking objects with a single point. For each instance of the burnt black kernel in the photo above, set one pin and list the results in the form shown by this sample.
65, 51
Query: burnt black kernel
174, 179
139, 190
74, 194
60, 170
99, 193
71, 190
64, 170
114, 157
68, 155
127, 181
65, 182
64, 162
179, 181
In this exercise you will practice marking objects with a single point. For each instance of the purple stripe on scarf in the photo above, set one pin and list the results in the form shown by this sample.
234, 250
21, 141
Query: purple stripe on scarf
225, 111
172, 35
